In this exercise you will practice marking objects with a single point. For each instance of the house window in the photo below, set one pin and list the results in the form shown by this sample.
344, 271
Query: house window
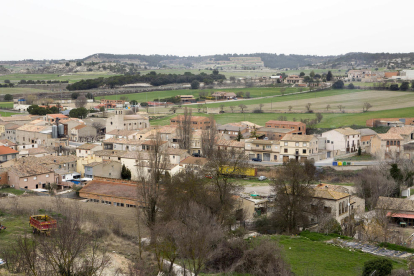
47, 175
304, 151
286, 143
388, 143
34, 178
25, 180
398, 143
286, 150
304, 144
275, 157
268, 147
297, 144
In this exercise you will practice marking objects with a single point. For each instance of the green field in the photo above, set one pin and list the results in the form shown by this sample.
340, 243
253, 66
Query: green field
7, 114
20, 90
6, 104
307, 257
150, 96
11, 191
329, 120
62, 77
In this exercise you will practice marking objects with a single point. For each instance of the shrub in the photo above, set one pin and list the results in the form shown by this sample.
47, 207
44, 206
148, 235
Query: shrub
351, 86
339, 84
382, 267
257, 111
394, 87
8, 97
195, 84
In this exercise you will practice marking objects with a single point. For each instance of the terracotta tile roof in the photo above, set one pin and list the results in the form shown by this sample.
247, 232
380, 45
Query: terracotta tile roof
15, 118
134, 117
275, 130
122, 132
173, 151
168, 129
405, 130
34, 151
32, 128
347, 131
152, 142
12, 127
230, 143
263, 142
6, 150
390, 136
365, 138
87, 146
47, 160
123, 141
27, 166
79, 127
114, 153
284, 122
191, 160
298, 138
7, 142
398, 204
366, 132
116, 189
137, 155
328, 194
57, 116
94, 164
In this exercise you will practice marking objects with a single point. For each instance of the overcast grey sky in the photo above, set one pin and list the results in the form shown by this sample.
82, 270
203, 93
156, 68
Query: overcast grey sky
53, 29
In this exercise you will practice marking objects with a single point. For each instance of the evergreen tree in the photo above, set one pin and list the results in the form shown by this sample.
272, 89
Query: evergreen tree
125, 172
239, 136
329, 76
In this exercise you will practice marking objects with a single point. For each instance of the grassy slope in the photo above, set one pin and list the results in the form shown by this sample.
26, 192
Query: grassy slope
11, 191
318, 258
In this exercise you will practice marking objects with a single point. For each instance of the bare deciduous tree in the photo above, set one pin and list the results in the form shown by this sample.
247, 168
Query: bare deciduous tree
242, 107
208, 138
290, 107
308, 107
232, 108
151, 174
327, 107
341, 107
293, 200
222, 164
199, 107
222, 106
261, 106
81, 101
68, 250
366, 106
185, 129
319, 117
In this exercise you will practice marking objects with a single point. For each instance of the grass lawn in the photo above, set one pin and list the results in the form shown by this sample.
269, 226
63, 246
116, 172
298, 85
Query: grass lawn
16, 225
11, 191
253, 182
6, 104
307, 257
7, 114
